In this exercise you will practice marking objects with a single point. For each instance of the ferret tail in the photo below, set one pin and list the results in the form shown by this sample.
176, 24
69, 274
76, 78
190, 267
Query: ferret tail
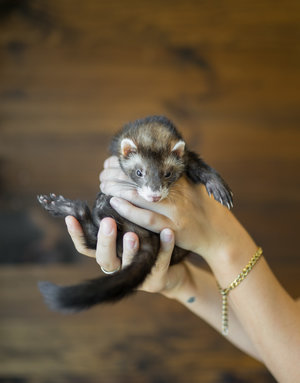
109, 288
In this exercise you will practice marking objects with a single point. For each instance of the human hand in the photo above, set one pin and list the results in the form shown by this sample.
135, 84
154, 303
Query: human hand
200, 224
162, 279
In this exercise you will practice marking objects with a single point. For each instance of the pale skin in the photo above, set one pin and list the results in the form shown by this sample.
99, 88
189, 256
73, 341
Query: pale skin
264, 321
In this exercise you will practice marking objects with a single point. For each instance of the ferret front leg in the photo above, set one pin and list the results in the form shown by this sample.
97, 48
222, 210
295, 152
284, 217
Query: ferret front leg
61, 206
199, 172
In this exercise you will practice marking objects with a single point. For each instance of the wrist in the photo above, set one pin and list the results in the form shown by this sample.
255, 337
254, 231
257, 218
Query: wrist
180, 284
228, 262
225, 244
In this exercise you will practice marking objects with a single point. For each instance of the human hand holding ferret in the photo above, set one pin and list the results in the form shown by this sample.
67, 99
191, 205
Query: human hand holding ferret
200, 224
153, 154
192, 286
162, 279
214, 233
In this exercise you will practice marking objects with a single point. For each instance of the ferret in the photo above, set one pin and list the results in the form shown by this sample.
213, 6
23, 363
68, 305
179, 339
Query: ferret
153, 154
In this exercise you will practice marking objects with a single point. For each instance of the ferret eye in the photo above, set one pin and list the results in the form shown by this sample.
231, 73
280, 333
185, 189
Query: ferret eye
167, 174
139, 173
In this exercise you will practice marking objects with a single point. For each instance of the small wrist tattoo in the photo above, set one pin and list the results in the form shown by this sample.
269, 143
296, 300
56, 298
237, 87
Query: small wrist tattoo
191, 300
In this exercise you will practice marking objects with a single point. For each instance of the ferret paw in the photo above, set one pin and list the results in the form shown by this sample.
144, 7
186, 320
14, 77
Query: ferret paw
57, 205
220, 192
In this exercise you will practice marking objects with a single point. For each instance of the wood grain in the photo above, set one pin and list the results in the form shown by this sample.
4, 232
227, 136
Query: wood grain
71, 74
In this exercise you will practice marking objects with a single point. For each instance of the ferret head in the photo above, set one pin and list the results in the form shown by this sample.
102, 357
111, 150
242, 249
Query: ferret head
154, 166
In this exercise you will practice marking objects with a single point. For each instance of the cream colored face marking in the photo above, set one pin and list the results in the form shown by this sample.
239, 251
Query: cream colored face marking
132, 161
154, 136
149, 195
145, 139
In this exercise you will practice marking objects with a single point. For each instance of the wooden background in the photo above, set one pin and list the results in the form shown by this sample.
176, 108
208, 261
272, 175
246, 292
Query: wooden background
71, 74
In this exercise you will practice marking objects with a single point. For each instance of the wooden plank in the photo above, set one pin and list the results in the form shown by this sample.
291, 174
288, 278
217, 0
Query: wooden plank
143, 338
71, 73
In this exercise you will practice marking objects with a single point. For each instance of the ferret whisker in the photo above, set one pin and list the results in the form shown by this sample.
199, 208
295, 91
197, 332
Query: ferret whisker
173, 194
125, 182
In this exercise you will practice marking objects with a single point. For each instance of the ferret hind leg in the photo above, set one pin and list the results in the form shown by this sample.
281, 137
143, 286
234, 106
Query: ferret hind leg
60, 206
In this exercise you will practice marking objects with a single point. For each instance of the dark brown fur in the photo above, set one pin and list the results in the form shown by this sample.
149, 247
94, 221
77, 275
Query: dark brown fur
154, 138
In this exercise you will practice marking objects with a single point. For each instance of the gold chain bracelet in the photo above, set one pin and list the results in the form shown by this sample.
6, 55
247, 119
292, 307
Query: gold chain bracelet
235, 283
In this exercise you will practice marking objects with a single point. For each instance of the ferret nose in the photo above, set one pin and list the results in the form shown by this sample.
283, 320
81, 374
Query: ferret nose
156, 198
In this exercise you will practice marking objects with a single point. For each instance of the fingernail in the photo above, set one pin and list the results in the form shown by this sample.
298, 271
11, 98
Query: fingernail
130, 243
106, 228
166, 235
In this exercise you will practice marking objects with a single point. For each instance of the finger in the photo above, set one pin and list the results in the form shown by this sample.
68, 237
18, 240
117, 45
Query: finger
142, 217
111, 162
106, 247
123, 189
120, 189
157, 281
77, 236
127, 192
130, 248
113, 174
167, 241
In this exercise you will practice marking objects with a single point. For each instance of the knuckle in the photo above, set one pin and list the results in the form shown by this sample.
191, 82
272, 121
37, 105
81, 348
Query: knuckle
102, 187
79, 244
112, 188
103, 175
104, 243
159, 267
128, 194
114, 161
91, 253
150, 219
111, 162
80, 248
152, 286
125, 209
104, 264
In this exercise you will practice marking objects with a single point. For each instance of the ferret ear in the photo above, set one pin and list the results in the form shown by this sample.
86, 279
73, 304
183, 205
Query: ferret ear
127, 147
178, 148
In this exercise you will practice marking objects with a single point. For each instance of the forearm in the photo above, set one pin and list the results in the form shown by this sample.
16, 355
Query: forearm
269, 315
199, 293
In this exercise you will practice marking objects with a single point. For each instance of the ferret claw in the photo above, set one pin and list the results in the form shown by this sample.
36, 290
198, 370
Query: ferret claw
41, 198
